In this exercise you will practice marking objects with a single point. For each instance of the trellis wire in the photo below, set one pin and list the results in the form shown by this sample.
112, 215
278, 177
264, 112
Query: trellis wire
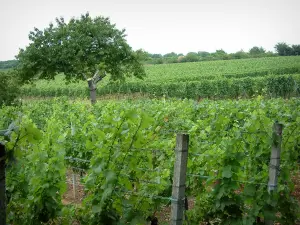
240, 181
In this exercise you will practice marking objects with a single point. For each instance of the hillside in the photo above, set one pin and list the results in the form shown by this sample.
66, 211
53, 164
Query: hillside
214, 79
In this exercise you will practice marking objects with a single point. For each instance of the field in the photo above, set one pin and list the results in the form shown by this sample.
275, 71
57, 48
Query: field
123, 152
271, 77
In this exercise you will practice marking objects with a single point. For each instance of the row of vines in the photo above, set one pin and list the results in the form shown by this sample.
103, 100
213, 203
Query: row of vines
269, 86
218, 80
127, 151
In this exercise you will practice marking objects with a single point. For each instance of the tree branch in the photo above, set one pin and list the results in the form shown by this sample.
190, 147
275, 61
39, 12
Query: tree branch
97, 78
96, 75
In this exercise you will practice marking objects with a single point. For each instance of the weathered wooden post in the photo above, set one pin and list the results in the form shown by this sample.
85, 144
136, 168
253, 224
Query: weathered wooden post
274, 167
2, 185
179, 178
275, 156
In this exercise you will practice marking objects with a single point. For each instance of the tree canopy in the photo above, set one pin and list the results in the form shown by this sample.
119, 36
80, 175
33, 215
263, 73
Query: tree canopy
283, 49
78, 49
257, 50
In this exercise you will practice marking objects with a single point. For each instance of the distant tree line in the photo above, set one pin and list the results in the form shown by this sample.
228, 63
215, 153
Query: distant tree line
8, 64
282, 49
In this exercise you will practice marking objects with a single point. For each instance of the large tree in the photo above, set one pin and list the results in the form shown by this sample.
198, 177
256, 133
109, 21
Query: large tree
296, 49
83, 48
283, 49
257, 51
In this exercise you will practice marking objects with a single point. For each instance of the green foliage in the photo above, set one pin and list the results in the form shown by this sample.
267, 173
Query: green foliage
242, 140
216, 79
123, 139
36, 180
9, 64
191, 57
283, 49
203, 54
219, 54
9, 87
77, 48
171, 54
282, 86
257, 51
296, 49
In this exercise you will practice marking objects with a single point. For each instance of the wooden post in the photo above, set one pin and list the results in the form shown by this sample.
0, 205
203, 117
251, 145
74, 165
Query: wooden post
92, 87
274, 166
275, 156
2, 185
179, 178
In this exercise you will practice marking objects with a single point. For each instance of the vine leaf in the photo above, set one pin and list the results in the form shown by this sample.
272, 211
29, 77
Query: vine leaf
250, 190
227, 172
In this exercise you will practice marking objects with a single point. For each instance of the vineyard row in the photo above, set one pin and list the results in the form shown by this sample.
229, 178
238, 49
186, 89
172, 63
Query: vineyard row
269, 86
229, 142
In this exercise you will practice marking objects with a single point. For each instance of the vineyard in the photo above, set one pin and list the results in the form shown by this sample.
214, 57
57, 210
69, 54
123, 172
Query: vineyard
270, 77
94, 131
124, 153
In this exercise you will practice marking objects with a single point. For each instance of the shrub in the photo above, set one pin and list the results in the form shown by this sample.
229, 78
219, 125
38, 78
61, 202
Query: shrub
9, 87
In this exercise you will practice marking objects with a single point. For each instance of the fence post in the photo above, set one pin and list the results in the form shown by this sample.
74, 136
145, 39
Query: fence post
179, 178
275, 156
2, 185
275, 159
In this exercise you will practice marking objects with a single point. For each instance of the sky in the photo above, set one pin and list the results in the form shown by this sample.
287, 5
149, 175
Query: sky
163, 26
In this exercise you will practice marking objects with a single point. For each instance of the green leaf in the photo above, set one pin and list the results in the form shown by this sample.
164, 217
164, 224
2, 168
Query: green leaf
227, 172
89, 144
132, 115
110, 176
127, 183
96, 208
146, 121
97, 169
250, 190
221, 192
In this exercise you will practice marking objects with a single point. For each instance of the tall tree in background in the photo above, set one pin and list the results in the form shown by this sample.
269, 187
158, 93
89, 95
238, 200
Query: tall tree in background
192, 57
83, 48
220, 54
283, 49
203, 54
257, 51
296, 49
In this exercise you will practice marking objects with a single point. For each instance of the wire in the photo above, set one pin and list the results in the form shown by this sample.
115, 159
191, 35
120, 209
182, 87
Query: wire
77, 159
151, 196
240, 181
144, 181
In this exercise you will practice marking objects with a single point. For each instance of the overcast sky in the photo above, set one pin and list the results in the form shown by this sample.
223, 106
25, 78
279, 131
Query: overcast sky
162, 26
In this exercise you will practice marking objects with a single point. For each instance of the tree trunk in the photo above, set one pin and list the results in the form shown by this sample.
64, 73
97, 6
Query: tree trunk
2, 186
92, 87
